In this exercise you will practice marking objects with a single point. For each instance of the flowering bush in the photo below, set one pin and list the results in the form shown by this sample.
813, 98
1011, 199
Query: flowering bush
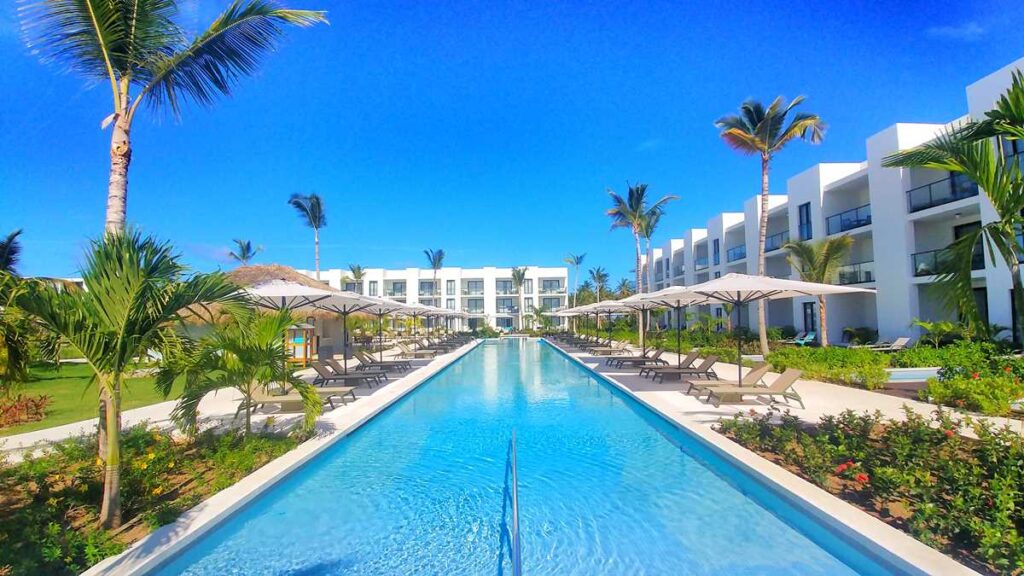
22, 408
988, 394
956, 494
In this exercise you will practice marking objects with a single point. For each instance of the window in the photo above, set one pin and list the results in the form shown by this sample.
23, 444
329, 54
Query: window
810, 317
718, 274
528, 285
551, 303
503, 323
474, 287
451, 288
527, 304
716, 257
719, 325
503, 287
397, 289
474, 306
450, 303
373, 287
506, 305
804, 215
550, 286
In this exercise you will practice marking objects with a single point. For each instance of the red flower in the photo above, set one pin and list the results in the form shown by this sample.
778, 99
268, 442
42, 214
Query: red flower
949, 433
976, 376
1008, 369
841, 468
862, 478
960, 403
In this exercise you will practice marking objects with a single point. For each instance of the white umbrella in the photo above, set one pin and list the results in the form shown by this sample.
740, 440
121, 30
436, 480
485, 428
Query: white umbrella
282, 294
739, 289
379, 308
640, 305
676, 298
346, 303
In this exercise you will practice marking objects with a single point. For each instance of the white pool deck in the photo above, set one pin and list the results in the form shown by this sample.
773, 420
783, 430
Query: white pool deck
687, 411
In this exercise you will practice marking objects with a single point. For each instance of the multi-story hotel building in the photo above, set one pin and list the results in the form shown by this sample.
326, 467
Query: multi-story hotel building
484, 294
902, 220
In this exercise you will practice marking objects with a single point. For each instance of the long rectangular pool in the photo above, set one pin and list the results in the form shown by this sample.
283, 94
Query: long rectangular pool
605, 487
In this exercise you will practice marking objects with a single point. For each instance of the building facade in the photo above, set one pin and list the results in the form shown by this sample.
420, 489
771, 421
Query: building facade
486, 295
902, 221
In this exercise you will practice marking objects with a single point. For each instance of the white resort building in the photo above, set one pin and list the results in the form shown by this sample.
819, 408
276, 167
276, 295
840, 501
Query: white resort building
902, 220
485, 294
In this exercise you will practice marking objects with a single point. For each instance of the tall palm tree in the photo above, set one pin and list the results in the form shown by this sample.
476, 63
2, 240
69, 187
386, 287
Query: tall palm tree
146, 56
518, 280
358, 274
968, 150
10, 252
647, 228
136, 293
819, 262
246, 353
436, 260
244, 252
575, 260
584, 293
633, 213
599, 277
764, 132
311, 211
624, 288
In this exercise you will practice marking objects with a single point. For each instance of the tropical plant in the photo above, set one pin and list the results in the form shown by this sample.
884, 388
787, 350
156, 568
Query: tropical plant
358, 274
541, 318
624, 288
136, 293
146, 56
599, 277
575, 260
10, 253
518, 279
436, 260
819, 262
764, 132
14, 335
311, 211
968, 150
935, 332
247, 353
584, 294
244, 252
647, 229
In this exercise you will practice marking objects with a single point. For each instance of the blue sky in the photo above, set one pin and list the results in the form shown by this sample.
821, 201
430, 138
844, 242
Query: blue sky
489, 129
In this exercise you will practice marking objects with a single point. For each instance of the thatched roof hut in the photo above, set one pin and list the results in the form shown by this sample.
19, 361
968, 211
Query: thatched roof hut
247, 276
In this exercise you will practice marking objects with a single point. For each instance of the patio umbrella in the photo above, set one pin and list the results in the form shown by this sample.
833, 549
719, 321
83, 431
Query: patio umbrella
607, 307
379, 308
285, 294
740, 289
640, 305
345, 304
676, 298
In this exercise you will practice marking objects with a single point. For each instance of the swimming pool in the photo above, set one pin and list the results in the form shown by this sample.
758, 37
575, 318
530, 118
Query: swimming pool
605, 487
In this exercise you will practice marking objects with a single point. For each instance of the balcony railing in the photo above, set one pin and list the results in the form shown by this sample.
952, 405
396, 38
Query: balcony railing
857, 273
776, 241
395, 293
555, 290
428, 292
700, 263
736, 253
939, 193
472, 291
848, 220
679, 270
935, 262
508, 310
473, 310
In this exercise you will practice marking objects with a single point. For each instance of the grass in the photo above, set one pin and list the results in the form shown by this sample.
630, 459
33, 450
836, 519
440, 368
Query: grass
75, 397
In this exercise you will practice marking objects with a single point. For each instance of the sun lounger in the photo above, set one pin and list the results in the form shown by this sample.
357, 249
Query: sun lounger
781, 387
620, 361
325, 376
686, 362
753, 377
807, 340
617, 348
798, 336
367, 361
294, 402
406, 352
704, 370
894, 346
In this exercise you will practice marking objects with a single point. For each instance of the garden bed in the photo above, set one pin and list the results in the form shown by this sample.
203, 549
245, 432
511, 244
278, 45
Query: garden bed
49, 504
959, 495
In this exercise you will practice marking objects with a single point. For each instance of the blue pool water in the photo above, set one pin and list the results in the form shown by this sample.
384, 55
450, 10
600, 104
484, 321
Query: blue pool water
605, 487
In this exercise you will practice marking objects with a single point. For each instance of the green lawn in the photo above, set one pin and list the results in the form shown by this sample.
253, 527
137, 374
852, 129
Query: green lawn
74, 398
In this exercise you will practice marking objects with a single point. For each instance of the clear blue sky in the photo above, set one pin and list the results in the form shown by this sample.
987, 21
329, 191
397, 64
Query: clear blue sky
489, 129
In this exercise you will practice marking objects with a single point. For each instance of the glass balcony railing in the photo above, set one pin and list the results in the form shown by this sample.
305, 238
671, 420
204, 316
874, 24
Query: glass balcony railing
472, 291
935, 262
848, 220
508, 310
395, 293
858, 273
679, 270
776, 241
552, 290
938, 193
736, 253
700, 263
429, 292
479, 310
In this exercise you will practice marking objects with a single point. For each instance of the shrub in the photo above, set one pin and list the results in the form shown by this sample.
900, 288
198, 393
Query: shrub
989, 394
860, 335
848, 366
22, 408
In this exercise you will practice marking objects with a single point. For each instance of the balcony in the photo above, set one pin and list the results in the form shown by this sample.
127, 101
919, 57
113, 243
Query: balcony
858, 273
679, 270
506, 292
700, 263
472, 291
395, 293
554, 290
776, 241
429, 292
848, 220
474, 310
938, 193
508, 309
736, 253
935, 262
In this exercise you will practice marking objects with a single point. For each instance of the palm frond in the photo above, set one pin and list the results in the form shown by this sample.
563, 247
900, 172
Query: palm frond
310, 208
10, 253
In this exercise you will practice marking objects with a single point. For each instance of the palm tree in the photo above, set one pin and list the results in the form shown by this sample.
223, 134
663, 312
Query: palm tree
358, 273
584, 293
764, 131
311, 210
436, 260
146, 56
246, 353
14, 334
244, 252
624, 288
518, 279
10, 253
599, 277
647, 229
136, 294
633, 213
819, 262
575, 260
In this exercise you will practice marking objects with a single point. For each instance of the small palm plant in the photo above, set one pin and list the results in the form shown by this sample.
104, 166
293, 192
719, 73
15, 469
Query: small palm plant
311, 210
10, 252
246, 353
244, 252
763, 132
819, 262
624, 288
146, 56
358, 274
136, 295
518, 280
936, 331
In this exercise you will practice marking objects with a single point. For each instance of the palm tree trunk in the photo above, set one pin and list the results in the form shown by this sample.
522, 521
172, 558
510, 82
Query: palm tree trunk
316, 251
822, 322
762, 234
117, 187
639, 277
248, 411
110, 510
1018, 302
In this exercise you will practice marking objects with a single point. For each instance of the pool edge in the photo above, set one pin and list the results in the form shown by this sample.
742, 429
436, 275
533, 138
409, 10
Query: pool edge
887, 543
156, 548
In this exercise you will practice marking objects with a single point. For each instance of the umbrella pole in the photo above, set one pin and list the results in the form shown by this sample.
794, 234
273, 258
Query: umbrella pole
643, 332
739, 343
344, 341
679, 333
380, 335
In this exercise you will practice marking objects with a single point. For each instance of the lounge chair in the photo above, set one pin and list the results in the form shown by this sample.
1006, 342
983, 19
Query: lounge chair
614, 349
325, 376
797, 336
644, 360
782, 386
686, 362
294, 402
753, 377
406, 352
704, 370
807, 340
894, 346
367, 361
